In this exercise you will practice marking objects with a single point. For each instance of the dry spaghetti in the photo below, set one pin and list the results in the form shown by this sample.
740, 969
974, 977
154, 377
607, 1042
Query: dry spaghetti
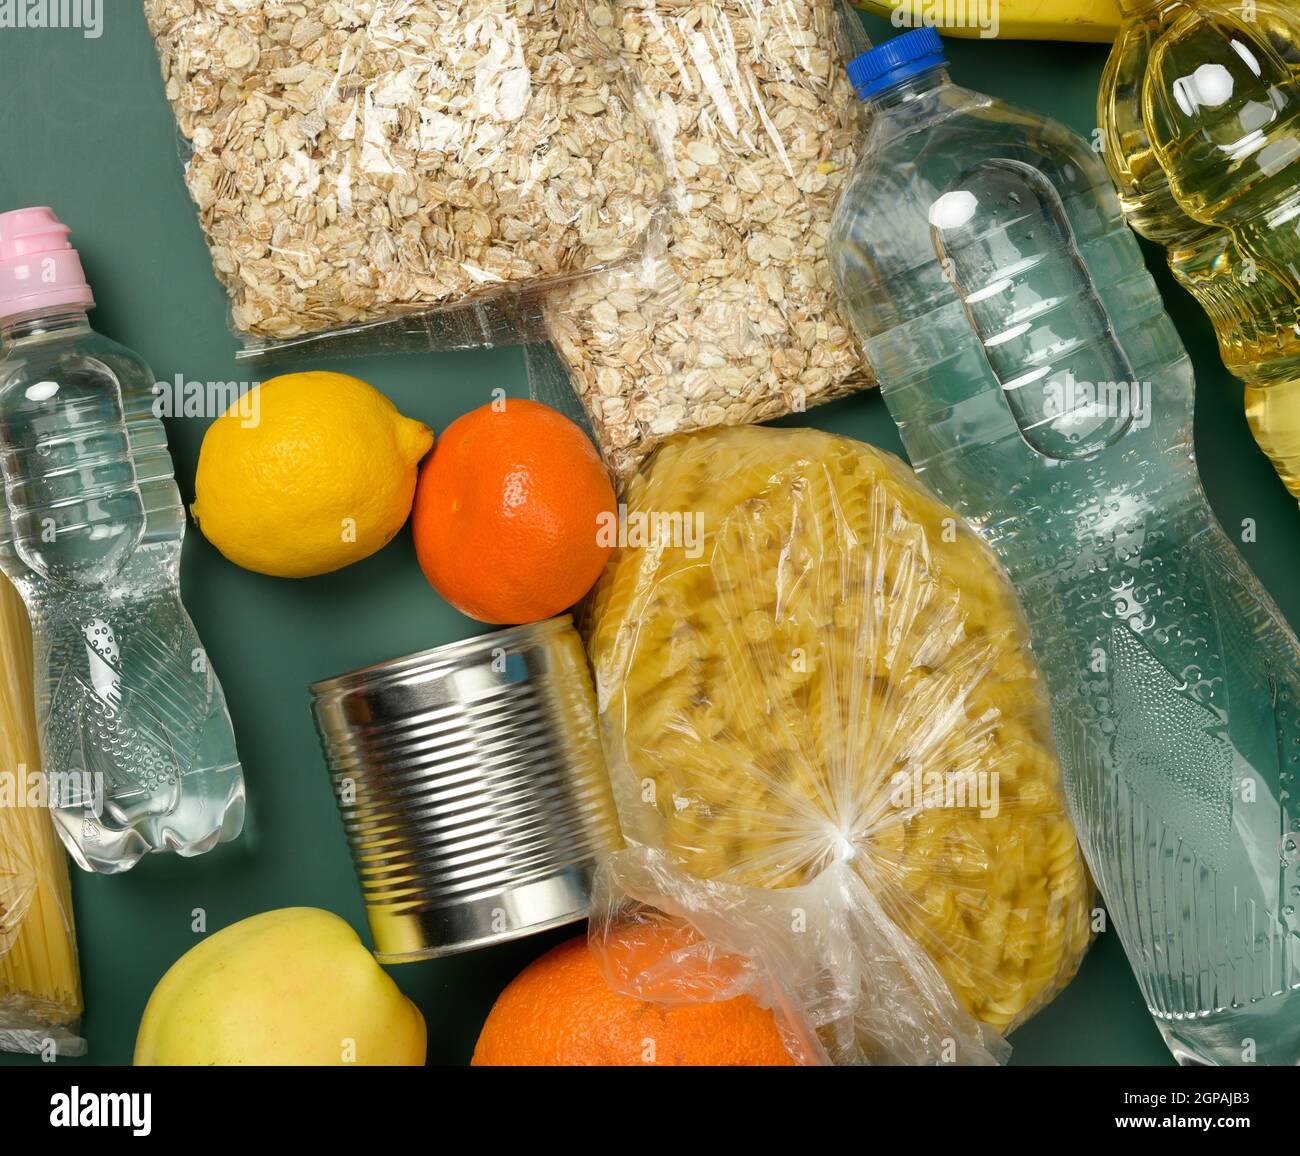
40, 985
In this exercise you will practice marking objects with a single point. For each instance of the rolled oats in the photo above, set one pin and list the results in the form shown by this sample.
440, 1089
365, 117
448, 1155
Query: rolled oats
356, 161
729, 317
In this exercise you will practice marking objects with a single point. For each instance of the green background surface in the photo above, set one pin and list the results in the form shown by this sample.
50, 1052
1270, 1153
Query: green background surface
84, 128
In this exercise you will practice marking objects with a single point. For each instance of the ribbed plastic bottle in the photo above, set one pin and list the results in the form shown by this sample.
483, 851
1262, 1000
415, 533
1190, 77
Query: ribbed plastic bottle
1200, 111
136, 741
1042, 391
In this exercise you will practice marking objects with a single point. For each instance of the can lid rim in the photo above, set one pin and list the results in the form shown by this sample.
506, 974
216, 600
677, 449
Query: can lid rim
438, 656
443, 949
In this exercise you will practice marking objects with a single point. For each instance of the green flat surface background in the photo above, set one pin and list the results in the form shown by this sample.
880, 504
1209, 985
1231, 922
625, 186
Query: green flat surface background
84, 128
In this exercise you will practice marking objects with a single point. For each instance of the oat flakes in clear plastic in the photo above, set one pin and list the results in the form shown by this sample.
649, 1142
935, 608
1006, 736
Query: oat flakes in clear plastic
429, 164
729, 316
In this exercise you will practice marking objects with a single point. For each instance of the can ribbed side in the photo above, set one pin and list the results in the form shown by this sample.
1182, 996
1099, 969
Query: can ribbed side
472, 789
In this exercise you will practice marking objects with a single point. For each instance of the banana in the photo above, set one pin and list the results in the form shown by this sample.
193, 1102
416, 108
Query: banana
1096, 21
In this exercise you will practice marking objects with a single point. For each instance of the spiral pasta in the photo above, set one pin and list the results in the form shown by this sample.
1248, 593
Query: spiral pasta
835, 677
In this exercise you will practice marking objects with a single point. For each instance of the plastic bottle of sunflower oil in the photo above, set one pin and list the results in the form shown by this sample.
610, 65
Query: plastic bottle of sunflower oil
1200, 110
136, 742
1042, 391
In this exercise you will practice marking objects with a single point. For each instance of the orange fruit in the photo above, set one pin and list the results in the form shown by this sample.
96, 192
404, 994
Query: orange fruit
560, 1012
508, 513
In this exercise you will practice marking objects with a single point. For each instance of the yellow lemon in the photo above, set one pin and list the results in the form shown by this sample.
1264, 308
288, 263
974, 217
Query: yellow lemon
308, 473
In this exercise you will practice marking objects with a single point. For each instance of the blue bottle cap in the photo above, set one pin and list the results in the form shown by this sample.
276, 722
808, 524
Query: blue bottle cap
896, 60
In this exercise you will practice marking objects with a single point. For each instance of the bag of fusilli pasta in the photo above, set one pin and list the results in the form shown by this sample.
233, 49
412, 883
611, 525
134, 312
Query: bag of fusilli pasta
831, 753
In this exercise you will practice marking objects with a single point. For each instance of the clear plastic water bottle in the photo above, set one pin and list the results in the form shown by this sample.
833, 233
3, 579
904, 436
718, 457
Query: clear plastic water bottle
137, 745
1041, 389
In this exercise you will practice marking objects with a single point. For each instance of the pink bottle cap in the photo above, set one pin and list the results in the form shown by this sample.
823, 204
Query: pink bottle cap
38, 268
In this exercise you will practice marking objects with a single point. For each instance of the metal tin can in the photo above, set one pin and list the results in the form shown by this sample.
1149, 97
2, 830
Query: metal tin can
472, 787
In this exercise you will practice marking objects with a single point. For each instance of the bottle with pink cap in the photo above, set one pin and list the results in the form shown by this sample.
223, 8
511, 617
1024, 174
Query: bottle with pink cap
138, 750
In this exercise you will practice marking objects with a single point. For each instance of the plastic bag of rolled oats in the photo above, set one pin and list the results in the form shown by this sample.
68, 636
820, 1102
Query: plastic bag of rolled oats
412, 171
728, 316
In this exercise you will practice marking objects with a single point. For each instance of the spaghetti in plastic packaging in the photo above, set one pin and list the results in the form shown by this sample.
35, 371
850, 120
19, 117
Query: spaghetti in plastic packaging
729, 315
412, 171
40, 982
831, 753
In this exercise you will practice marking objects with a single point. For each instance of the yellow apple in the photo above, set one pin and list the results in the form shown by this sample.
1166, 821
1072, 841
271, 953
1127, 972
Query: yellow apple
286, 987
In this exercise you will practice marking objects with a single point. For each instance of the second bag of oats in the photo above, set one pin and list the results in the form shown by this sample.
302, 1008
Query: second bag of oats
729, 315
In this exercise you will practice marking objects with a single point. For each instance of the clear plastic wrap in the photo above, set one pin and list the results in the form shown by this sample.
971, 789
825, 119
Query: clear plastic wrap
728, 317
40, 981
426, 167
831, 753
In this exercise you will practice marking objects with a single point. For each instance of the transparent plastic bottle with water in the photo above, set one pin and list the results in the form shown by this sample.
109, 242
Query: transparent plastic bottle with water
1041, 389
136, 741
